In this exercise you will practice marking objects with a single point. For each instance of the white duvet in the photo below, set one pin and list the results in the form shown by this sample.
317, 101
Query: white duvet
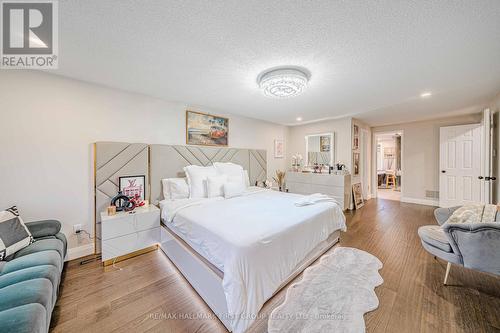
256, 239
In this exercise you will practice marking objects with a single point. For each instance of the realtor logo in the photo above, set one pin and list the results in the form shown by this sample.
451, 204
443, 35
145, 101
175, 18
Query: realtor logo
29, 34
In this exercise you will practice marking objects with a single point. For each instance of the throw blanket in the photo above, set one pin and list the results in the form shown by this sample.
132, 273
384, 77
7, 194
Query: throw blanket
474, 214
314, 199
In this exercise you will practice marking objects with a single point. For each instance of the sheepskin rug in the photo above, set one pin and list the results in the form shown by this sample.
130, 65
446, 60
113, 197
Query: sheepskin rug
332, 296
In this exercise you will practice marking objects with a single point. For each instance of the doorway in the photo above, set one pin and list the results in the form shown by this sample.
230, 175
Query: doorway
388, 165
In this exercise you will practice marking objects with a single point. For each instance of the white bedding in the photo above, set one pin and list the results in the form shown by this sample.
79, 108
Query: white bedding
256, 239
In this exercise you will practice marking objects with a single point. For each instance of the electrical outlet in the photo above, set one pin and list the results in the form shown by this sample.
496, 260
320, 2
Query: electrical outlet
77, 228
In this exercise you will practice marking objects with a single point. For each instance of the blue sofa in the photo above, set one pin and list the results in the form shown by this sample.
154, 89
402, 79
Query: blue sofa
29, 280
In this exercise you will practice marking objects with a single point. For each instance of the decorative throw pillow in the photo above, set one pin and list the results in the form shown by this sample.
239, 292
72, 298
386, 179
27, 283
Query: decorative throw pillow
197, 178
14, 235
473, 214
233, 189
215, 186
175, 188
234, 172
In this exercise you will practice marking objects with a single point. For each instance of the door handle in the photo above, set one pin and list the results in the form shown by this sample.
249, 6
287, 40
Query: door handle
487, 178
493, 178
480, 177
443, 171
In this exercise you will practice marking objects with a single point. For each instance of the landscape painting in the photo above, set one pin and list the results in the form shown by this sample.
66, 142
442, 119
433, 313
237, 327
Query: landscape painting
206, 130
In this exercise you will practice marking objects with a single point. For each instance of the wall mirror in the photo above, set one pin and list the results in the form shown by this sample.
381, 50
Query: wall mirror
319, 149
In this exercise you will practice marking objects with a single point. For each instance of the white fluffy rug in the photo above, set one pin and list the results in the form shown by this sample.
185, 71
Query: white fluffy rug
333, 295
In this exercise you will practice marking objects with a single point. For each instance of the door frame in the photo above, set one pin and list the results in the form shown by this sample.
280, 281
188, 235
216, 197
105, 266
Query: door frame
374, 187
486, 155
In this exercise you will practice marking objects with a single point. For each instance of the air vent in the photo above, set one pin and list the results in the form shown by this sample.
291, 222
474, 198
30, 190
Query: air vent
432, 194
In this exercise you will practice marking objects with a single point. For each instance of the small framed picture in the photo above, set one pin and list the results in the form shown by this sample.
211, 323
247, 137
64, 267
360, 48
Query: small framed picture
355, 143
279, 149
355, 137
355, 158
357, 193
132, 186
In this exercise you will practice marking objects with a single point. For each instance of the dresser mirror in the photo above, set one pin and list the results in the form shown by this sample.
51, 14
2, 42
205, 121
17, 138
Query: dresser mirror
319, 149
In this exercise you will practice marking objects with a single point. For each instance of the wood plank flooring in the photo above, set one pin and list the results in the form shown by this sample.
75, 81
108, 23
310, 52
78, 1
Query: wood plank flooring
148, 294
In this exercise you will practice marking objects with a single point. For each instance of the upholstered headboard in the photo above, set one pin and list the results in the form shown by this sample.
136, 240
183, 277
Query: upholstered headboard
113, 160
168, 161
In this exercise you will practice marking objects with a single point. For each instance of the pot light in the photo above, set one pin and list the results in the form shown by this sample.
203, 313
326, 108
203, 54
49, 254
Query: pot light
283, 82
426, 94
298, 118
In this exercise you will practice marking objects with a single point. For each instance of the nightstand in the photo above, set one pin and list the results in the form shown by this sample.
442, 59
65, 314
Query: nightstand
128, 234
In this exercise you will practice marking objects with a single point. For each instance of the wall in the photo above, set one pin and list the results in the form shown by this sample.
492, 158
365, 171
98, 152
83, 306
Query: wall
365, 150
48, 124
420, 155
342, 137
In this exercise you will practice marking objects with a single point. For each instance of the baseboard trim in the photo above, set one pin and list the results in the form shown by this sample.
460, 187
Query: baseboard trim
80, 251
426, 202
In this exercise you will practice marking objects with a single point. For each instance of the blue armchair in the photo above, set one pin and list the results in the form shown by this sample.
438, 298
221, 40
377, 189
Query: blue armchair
475, 246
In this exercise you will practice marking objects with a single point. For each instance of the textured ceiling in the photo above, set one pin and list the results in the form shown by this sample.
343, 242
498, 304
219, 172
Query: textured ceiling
369, 59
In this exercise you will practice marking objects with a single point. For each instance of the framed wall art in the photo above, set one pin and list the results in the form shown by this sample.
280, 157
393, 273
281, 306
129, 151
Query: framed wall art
132, 185
279, 149
357, 192
206, 130
355, 163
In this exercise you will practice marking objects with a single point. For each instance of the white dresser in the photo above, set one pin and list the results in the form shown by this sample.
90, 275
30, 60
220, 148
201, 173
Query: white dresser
128, 234
336, 186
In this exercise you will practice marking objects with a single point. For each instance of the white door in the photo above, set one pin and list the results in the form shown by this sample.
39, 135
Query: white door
460, 178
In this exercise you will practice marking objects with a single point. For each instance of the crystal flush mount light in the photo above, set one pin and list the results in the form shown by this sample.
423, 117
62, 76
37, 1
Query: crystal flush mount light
283, 82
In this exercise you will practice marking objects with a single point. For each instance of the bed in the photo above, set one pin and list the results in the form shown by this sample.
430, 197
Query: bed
237, 253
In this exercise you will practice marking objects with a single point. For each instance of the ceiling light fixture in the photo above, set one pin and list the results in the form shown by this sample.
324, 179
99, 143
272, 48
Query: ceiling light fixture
299, 119
426, 94
283, 82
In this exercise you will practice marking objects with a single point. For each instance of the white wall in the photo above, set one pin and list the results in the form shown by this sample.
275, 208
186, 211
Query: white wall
364, 176
342, 137
420, 154
47, 127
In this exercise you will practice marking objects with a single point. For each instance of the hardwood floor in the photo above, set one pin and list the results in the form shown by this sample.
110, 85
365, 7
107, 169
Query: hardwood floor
148, 294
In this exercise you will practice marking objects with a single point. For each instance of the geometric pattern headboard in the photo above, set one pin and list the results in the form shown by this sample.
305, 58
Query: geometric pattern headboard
113, 160
168, 161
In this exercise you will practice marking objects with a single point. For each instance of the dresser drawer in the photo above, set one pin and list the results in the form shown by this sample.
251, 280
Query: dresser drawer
119, 246
128, 224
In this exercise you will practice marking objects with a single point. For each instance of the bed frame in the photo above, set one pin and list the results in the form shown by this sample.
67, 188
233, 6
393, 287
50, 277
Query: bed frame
167, 161
206, 279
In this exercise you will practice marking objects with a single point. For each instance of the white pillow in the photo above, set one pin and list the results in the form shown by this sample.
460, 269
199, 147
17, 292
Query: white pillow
197, 176
177, 188
215, 186
246, 179
234, 172
233, 189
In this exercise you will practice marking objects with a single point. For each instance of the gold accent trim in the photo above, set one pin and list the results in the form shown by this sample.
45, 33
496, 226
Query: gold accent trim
149, 174
130, 255
95, 197
208, 144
